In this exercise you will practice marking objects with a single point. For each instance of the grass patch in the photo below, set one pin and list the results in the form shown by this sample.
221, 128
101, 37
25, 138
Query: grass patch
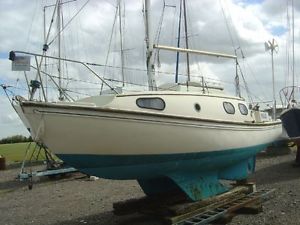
16, 152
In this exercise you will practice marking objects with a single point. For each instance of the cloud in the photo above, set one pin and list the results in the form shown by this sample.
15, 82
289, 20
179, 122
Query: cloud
10, 124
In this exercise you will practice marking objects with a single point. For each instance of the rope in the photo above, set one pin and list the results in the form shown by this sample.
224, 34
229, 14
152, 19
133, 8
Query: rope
245, 83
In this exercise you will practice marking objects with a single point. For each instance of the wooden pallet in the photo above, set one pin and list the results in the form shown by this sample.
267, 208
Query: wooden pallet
177, 209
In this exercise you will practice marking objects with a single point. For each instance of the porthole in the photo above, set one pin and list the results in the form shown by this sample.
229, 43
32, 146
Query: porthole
197, 107
243, 109
229, 108
151, 103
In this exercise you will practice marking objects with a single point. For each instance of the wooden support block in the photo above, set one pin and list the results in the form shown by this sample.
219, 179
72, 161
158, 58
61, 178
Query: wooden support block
221, 208
250, 185
185, 208
254, 208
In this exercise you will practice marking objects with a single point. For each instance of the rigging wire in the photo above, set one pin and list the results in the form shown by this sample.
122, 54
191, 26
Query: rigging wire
157, 35
109, 2
227, 26
121, 31
172, 40
111, 36
192, 41
31, 24
245, 83
293, 45
51, 23
68, 23
288, 44
178, 42
143, 70
165, 73
146, 86
235, 51
225, 5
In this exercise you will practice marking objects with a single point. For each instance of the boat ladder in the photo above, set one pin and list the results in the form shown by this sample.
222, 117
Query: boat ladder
230, 207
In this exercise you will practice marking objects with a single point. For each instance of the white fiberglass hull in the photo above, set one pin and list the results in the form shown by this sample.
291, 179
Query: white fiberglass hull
190, 146
66, 130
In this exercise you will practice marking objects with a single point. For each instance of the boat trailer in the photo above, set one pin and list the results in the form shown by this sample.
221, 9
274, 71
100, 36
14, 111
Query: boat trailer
177, 210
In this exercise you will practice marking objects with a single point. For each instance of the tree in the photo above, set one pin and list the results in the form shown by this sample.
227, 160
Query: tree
15, 139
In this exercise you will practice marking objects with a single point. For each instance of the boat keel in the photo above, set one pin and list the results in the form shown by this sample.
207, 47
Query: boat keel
239, 171
193, 185
198, 186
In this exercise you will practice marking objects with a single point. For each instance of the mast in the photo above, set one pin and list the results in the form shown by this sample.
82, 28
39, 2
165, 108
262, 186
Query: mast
61, 97
178, 44
121, 44
273, 78
44, 14
45, 40
293, 40
186, 42
272, 46
149, 46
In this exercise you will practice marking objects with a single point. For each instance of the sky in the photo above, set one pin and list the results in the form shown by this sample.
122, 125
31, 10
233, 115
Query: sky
226, 26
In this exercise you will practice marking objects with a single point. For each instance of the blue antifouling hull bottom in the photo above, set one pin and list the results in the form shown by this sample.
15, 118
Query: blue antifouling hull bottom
196, 174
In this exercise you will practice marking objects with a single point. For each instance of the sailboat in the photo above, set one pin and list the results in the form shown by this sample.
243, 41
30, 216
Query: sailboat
291, 116
175, 137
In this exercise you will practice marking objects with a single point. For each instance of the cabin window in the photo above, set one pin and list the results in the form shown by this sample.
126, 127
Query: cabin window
197, 107
151, 103
229, 108
243, 109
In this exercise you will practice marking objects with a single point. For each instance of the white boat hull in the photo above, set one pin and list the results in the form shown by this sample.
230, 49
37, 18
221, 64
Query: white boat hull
159, 149
119, 133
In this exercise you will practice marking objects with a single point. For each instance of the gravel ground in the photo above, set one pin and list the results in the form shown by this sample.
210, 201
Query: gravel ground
76, 200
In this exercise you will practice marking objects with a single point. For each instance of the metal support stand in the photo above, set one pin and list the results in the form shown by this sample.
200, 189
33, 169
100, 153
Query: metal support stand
53, 166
